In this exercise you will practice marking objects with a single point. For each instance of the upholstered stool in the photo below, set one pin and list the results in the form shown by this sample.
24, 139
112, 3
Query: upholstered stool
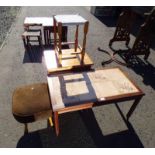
31, 103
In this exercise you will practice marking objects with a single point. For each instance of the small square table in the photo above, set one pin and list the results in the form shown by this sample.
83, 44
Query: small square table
70, 20
82, 90
47, 24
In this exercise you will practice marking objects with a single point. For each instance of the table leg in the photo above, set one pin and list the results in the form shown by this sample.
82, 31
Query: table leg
133, 107
25, 128
56, 123
45, 37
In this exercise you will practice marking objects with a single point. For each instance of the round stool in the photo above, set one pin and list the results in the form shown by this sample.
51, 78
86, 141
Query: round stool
31, 103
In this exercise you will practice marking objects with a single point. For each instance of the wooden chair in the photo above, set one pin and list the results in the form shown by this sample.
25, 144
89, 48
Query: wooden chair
32, 34
31, 103
143, 40
122, 33
124, 25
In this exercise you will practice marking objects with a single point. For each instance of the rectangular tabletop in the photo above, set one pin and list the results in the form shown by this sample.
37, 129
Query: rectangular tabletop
96, 86
43, 21
67, 20
70, 60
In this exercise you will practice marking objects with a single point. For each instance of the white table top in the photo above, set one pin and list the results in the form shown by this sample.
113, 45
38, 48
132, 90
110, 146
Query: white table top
70, 19
77, 88
44, 21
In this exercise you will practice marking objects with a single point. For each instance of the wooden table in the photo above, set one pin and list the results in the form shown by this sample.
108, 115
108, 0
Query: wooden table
45, 22
77, 91
70, 61
70, 20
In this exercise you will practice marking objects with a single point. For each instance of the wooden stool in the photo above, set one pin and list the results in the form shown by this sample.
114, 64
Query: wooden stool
31, 103
29, 34
69, 20
47, 34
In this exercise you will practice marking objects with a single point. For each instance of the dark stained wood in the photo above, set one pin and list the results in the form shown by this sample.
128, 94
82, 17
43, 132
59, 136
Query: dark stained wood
25, 128
133, 107
55, 33
76, 37
60, 40
143, 40
124, 25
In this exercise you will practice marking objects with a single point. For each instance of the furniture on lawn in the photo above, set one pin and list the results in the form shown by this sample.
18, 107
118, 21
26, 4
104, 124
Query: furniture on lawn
75, 57
82, 90
47, 26
31, 103
143, 40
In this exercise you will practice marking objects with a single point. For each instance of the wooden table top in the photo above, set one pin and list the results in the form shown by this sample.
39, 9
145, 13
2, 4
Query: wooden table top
69, 60
94, 86
43, 21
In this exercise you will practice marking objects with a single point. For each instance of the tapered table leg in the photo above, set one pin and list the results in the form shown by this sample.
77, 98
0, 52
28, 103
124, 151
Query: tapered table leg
133, 107
56, 123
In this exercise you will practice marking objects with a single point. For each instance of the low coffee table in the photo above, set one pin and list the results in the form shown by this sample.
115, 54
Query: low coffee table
82, 90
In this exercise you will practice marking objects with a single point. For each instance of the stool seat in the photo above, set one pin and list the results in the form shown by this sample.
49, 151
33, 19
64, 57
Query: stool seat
31, 103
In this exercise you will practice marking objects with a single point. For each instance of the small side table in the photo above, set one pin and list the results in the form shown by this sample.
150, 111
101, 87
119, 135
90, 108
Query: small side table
83, 90
76, 53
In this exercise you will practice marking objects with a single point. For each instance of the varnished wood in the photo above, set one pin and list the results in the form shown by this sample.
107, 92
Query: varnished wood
63, 20
133, 107
76, 108
124, 25
70, 60
84, 40
76, 37
60, 40
56, 123
132, 92
55, 33
143, 40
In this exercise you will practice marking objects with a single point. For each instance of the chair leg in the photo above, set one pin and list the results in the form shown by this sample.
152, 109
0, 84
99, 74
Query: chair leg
26, 128
127, 42
146, 55
56, 123
110, 42
50, 122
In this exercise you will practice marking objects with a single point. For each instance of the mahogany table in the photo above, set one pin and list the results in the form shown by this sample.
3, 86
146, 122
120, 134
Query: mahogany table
82, 90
